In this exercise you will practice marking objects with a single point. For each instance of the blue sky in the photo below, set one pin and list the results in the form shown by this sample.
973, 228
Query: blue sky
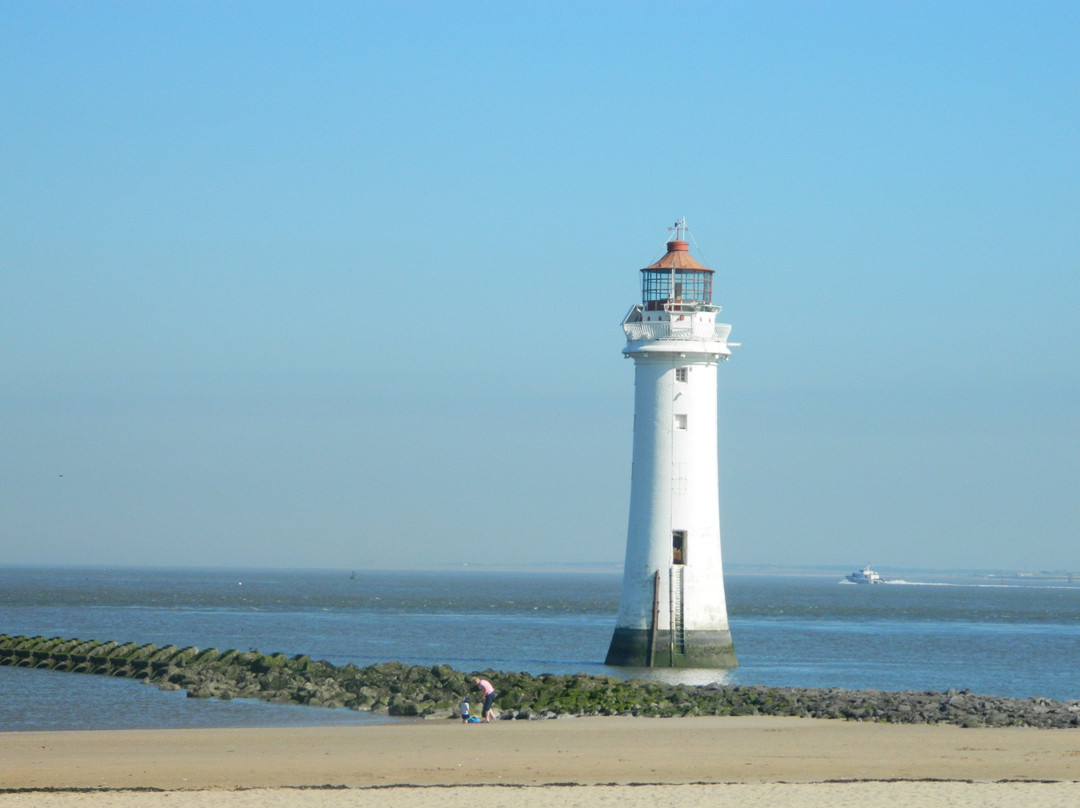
340, 285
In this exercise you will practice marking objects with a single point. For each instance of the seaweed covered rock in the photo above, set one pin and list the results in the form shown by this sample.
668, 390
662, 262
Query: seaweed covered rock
395, 688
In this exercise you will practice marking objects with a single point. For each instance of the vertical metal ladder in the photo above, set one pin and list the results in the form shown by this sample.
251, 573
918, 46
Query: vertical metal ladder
678, 632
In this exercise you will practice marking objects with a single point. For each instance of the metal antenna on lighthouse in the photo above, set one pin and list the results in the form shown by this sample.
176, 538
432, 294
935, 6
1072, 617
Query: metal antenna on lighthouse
679, 229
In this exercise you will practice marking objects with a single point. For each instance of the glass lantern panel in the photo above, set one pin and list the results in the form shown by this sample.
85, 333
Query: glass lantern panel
659, 286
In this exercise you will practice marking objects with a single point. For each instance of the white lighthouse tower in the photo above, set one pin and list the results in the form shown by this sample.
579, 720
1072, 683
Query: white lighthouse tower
673, 612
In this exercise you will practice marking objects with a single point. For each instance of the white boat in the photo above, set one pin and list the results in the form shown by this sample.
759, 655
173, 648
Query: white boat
865, 576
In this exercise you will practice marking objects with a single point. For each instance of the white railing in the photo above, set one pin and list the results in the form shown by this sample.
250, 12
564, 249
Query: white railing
707, 332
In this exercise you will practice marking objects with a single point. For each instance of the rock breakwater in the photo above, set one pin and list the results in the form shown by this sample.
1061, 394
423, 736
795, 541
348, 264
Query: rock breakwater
394, 688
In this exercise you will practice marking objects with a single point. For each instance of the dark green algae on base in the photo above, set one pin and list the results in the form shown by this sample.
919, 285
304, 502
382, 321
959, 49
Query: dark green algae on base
641, 648
394, 688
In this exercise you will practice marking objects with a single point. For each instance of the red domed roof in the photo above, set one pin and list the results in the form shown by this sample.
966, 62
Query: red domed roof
678, 254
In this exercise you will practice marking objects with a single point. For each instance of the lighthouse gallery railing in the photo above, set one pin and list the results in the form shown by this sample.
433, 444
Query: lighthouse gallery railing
711, 332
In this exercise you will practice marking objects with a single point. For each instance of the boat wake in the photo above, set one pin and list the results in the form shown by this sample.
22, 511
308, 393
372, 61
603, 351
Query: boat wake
971, 585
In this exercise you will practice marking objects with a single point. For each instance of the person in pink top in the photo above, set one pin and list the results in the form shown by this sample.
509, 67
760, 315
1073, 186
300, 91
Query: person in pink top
489, 697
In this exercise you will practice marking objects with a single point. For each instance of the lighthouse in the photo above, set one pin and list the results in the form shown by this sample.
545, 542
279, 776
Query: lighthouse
672, 611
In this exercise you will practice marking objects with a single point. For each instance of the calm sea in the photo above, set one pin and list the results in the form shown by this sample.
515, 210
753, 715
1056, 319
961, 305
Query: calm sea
801, 631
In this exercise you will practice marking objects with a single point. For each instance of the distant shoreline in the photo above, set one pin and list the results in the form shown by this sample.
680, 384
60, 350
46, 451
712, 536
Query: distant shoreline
733, 570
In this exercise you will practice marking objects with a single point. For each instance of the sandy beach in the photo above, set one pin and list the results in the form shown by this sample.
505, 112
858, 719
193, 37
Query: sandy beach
581, 761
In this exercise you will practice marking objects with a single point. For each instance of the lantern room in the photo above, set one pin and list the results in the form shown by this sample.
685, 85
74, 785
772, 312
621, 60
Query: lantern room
676, 282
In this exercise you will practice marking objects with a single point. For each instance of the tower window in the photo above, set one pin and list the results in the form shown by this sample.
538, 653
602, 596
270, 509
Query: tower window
678, 547
681, 374
680, 421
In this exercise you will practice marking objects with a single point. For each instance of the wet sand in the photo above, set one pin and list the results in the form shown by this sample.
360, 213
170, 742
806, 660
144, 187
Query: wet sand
566, 762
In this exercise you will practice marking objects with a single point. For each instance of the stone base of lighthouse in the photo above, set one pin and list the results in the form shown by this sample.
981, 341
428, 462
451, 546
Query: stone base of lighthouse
642, 648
